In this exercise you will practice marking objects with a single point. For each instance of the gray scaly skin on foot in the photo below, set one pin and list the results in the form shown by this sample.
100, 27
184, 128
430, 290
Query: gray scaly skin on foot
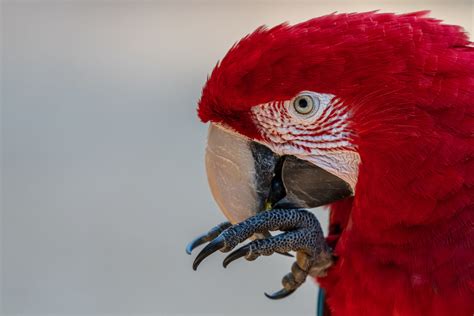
301, 233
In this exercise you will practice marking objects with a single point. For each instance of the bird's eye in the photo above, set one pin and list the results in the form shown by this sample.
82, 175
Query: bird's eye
304, 104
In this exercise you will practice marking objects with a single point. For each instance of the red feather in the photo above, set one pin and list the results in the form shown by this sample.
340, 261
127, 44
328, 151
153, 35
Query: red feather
407, 241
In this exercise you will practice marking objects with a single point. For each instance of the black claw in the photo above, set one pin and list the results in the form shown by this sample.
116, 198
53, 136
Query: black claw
196, 243
287, 254
241, 252
280, 294
210, 248
210, 235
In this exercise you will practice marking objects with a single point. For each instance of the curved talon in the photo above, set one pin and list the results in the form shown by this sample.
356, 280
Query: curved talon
198, 241
301, 233
280, 294
210, 235
210, 248
241, 252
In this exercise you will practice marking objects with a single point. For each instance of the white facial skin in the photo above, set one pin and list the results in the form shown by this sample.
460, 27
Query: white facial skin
314, 127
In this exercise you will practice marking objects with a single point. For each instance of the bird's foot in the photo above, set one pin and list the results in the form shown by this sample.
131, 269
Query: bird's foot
301, 233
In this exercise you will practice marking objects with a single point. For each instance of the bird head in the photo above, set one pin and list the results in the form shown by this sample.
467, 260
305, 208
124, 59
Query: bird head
312, 113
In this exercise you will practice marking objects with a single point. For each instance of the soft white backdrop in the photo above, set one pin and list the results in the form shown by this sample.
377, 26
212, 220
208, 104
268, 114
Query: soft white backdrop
103, 182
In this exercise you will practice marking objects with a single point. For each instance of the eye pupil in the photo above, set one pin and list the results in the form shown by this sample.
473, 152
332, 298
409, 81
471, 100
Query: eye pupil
303, 103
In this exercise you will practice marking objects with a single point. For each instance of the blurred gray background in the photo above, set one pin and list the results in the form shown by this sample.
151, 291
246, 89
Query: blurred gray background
103, 179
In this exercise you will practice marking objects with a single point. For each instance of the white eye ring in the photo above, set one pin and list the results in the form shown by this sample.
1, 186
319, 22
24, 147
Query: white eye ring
305, 104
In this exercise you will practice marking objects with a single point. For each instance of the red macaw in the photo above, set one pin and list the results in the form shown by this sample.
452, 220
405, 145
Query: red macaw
371, 114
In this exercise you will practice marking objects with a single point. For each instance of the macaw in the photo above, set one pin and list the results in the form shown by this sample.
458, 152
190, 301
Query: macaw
371, 114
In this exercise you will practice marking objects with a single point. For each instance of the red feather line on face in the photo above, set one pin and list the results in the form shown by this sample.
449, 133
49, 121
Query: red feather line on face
326, 131
347, 55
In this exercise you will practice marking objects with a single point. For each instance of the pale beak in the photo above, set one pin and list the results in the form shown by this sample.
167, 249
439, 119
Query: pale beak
246, 177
